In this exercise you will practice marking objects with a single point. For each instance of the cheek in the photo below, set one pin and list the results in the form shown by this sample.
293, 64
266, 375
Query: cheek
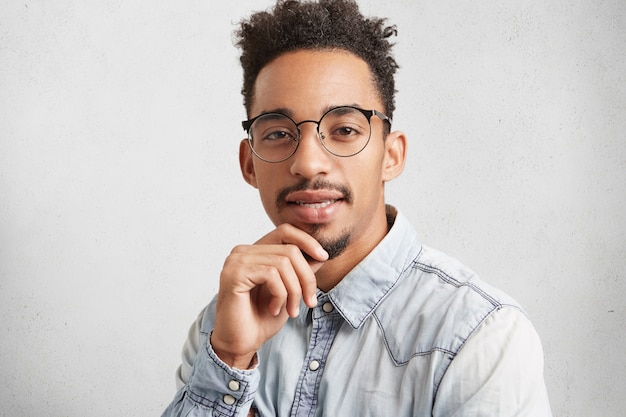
366, 187
268, 200
268, 185
366, 173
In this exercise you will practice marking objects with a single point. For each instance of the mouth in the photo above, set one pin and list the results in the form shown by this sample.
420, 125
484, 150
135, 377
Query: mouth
313, 211
314, 205
314, 199
315, 195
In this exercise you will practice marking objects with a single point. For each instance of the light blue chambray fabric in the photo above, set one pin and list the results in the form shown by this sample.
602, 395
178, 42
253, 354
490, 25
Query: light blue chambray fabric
378, 344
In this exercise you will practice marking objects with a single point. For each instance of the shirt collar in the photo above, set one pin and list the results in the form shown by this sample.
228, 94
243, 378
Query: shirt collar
359, 293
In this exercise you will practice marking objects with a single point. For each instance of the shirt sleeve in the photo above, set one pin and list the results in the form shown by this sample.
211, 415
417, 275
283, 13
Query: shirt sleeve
190, 350
498, 372
208, 386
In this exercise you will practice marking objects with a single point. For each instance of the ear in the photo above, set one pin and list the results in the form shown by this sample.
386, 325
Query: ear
246, 163
395, 155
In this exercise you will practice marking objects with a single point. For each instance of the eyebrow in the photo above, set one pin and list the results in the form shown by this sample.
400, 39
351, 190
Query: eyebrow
280, 110
288, 112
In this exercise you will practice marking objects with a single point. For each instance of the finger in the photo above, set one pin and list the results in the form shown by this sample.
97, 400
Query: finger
273, 267
304, 271
291, 277
305, 274
310, 250
288, 234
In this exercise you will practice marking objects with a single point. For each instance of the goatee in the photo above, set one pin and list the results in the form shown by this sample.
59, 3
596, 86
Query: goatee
334, 247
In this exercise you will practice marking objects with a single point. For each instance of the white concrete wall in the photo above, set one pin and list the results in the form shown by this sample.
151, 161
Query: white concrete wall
120, 193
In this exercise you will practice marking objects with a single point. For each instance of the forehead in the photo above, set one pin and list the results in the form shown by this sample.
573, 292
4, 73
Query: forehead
308, 81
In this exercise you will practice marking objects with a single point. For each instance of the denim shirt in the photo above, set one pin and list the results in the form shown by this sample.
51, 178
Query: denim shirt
408, 332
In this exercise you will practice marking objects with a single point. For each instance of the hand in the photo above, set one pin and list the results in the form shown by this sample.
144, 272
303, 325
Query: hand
261, 286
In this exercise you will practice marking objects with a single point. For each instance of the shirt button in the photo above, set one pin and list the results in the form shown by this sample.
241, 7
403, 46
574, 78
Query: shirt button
229, 399
328, 307
314, 365
233, 385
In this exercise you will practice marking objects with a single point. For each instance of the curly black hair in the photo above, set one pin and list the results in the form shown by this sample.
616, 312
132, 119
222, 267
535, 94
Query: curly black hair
327, 24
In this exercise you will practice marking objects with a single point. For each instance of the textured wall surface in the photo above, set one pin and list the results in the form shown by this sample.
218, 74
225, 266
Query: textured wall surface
120, 193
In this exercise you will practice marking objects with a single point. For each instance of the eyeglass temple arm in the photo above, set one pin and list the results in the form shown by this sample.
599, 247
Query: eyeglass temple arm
382, 116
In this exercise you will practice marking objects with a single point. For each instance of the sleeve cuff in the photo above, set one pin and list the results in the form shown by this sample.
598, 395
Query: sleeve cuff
225, 390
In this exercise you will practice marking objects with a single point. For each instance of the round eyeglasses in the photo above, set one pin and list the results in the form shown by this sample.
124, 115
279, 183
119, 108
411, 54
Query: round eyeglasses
343, 131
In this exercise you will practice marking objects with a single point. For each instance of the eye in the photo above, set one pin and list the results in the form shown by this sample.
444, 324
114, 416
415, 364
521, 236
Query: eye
345, 124
274, 128
278, 135
345, 131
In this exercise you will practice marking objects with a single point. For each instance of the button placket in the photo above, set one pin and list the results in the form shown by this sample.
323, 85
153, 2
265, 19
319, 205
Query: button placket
325, 324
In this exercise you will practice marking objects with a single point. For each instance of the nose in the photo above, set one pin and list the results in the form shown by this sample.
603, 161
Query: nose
311, 158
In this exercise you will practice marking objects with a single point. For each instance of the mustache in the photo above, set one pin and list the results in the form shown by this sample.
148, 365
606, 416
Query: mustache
317, 184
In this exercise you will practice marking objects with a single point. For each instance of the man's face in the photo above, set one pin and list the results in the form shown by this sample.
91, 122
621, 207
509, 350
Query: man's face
338, 200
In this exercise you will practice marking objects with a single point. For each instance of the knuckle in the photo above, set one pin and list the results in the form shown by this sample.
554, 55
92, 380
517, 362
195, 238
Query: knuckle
269, 270
239, 249
286, 231
283, 262
284, 227
293, 251
232, 262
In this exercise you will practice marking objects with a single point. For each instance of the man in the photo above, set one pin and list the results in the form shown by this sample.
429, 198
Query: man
339, 310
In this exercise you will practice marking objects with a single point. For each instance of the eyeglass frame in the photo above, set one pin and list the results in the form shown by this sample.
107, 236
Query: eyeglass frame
247, 124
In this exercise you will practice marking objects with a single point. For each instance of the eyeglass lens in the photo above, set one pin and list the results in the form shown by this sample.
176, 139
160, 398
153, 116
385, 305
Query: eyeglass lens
343, 131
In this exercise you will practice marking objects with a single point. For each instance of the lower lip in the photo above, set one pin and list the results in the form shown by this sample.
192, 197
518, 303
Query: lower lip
314, 213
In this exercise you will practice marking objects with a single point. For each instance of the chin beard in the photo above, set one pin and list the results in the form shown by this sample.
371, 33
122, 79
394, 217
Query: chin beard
336, 247
333, 246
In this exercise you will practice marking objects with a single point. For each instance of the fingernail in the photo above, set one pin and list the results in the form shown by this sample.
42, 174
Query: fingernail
276, 311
